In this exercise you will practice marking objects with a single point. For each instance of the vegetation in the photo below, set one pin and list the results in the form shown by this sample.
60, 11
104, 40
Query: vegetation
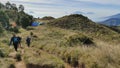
50, 50
10, 13
4, 20
48, 18
82, 24
72, 41
51, 41
79, 22
78, 39
115, 28
1, 29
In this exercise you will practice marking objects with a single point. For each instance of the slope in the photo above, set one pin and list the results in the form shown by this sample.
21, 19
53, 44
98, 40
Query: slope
49, 50
84, 25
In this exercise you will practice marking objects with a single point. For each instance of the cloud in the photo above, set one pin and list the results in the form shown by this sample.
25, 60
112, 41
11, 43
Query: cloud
57, 8
31, 12
35, 1
90, 13
78, 12
112, 2
3, 1
86, 13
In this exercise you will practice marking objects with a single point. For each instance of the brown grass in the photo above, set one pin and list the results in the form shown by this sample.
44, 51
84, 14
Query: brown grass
49, 50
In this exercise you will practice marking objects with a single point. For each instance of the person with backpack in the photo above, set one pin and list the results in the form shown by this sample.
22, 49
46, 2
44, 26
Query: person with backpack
19, 41
14, 40
28, 41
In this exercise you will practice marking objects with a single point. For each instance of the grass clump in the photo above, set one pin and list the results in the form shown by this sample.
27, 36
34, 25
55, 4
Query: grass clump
11, 66
18, 57
79, 39
40, 59
2, 54
15, 30
30, 28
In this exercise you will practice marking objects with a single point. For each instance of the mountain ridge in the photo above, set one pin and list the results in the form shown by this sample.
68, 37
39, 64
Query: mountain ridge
113, 20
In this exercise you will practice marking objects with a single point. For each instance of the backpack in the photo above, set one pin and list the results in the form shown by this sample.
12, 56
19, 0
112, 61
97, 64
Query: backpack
15, 39
28, 39
19, 38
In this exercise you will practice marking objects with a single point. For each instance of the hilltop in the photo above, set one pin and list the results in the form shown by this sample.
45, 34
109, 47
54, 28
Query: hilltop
81, 23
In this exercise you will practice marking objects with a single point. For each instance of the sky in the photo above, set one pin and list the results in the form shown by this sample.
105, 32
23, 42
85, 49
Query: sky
93, 9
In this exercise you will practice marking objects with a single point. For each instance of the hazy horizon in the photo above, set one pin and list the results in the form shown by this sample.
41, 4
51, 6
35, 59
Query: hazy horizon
94, 9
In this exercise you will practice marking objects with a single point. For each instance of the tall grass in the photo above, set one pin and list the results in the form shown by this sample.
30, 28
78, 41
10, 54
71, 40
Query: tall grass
50, 50
102, 55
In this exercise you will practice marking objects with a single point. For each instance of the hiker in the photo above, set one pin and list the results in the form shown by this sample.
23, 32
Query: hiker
28, 41
14, 40
19, 41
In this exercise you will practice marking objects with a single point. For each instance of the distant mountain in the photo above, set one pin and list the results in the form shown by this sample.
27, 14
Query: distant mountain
113, 20
114, 16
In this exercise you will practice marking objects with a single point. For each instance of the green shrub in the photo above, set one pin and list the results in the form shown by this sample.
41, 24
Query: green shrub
15, 29
4, 19
18, 57
11, 66
30, 28
2, 54
78, 40
5, 41
25, 20
1, 28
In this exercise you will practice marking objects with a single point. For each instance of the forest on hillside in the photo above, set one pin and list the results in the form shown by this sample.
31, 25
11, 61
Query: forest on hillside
11, 13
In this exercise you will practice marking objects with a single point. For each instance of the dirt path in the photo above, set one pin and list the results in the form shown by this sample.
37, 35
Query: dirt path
67, 65
20, 64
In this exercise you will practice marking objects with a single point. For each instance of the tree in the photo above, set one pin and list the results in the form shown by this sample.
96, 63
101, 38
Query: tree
14, 7
1, 6
1, 28
8, 5
4, 19
21, 8
24, 19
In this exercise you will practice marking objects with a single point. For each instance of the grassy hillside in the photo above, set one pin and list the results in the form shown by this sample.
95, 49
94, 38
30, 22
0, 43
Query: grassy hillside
116, 28
84, 25
54, 47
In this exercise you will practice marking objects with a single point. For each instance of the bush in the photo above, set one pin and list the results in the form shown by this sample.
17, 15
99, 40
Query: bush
1, 29
4, 20
48, 18
30, 28
2, 54
15, 29
78, 39
5, 41
25, 20
12, 66
18, 57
